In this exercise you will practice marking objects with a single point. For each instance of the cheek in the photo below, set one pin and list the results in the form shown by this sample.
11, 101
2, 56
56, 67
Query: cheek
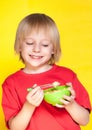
48, 51
24, 49
23, 52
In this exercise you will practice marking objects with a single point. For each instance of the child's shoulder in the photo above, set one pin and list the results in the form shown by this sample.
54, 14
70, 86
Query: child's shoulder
65, 72
12, 76
65, 69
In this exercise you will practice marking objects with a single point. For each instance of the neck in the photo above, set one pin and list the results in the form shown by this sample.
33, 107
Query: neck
35, 70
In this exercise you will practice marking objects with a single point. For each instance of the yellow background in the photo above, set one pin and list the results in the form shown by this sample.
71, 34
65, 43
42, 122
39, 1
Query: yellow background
74, 21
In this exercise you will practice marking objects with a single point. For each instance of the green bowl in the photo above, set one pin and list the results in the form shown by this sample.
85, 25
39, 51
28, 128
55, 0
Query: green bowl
53, 95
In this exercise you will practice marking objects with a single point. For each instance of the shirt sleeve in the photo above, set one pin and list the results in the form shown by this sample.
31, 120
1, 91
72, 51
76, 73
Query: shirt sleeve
10, 103
82, 96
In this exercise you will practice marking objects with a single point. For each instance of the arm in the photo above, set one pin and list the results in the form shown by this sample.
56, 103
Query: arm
22, 119
77, 112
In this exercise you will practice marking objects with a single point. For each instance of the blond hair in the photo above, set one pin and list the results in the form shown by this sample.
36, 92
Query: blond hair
38, 21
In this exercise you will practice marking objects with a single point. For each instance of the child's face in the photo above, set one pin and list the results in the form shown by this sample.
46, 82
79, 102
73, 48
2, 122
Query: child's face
37, 49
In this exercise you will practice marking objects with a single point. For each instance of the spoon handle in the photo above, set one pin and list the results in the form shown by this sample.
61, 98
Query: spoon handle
54, 84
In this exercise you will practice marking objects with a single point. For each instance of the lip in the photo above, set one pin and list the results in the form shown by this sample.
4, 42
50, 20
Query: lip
35, 57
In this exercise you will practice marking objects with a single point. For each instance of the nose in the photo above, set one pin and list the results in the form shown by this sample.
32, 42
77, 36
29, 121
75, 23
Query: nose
36, 48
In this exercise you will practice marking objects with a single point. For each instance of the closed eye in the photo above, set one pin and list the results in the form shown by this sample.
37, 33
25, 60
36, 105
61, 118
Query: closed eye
45, 45
29, 43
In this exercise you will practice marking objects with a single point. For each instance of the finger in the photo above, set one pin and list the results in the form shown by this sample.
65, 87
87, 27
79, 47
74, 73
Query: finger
31, 93
69, 84
59, 106
67, 100
73, 94
35, 85
38, 98
37, 94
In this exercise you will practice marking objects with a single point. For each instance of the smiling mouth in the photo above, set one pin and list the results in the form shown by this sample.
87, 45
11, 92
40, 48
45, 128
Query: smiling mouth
35, 57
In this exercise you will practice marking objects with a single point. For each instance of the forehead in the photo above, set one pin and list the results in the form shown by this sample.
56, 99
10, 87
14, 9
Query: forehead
38, 32
37, 28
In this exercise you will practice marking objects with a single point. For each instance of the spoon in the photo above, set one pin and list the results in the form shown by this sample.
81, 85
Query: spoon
54, 84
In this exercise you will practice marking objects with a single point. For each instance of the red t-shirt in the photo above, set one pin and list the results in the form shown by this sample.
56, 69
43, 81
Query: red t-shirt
46, 116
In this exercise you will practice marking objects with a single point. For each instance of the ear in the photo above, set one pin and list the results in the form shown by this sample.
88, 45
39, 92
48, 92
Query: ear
53, 51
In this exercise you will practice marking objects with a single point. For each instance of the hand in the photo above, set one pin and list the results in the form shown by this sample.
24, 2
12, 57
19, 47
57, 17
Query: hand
35, 96
67, 100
